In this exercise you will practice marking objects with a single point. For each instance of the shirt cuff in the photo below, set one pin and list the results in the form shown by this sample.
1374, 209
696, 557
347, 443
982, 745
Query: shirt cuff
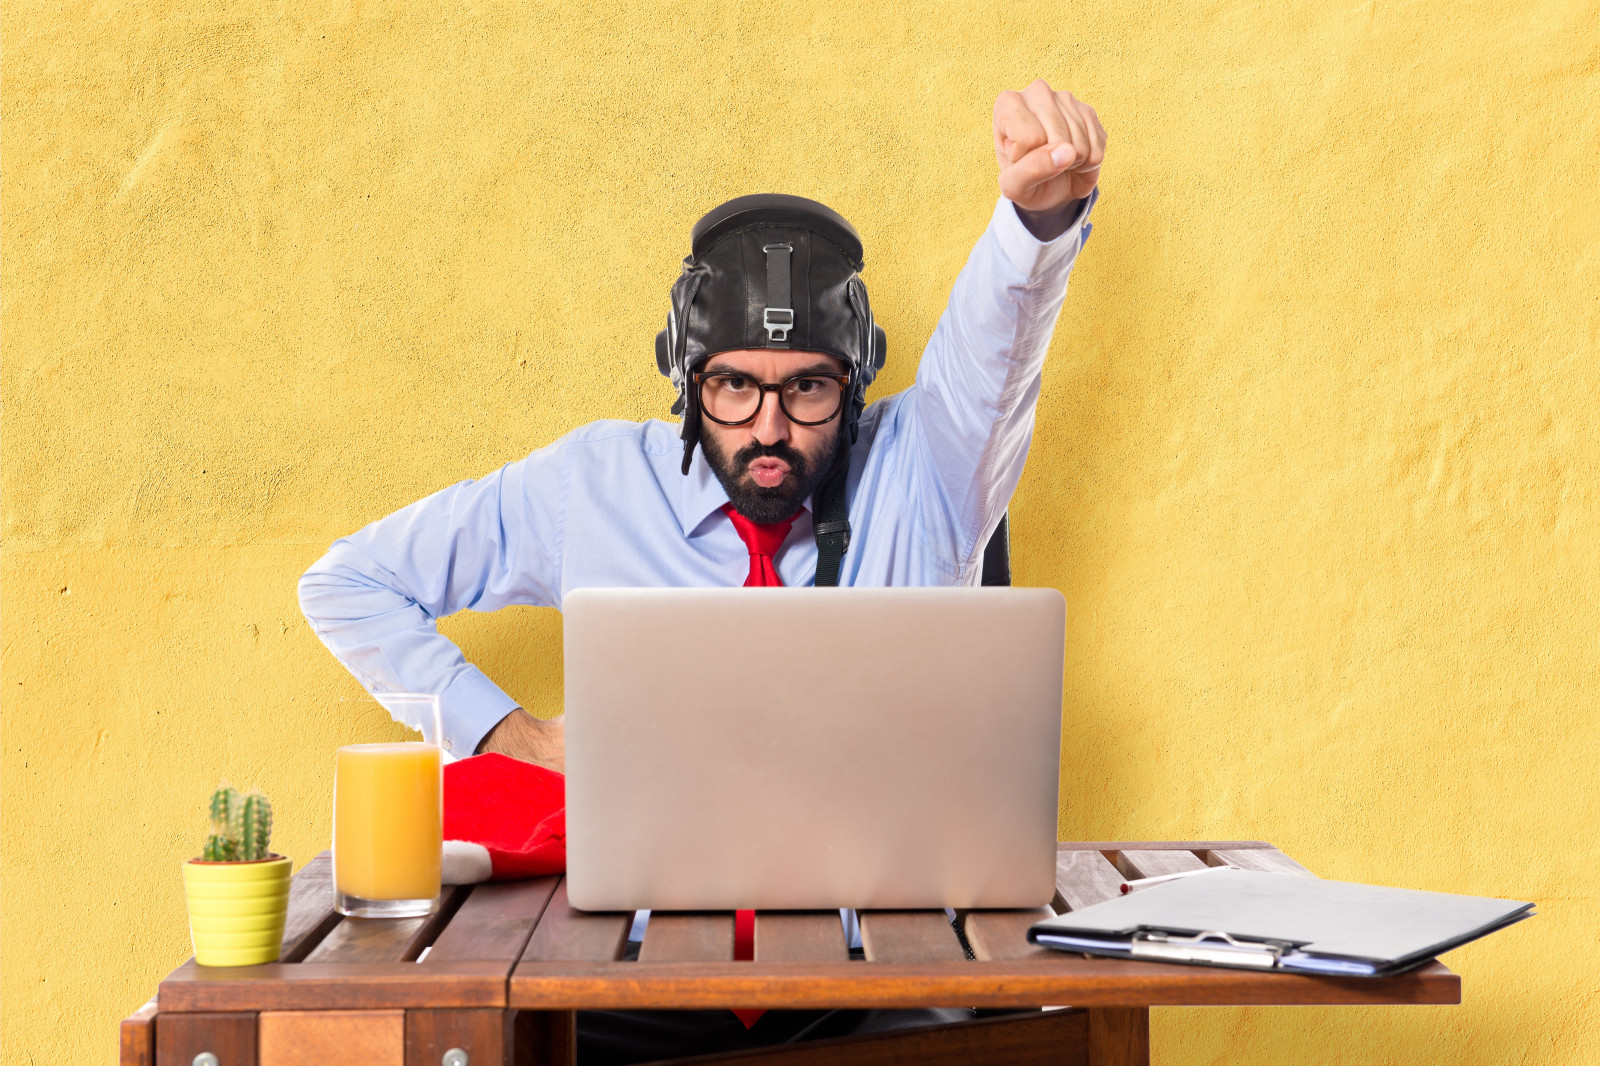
1031, 255
470, 706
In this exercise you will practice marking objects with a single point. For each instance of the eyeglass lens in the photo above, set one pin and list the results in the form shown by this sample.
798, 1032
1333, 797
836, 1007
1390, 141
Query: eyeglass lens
736, 398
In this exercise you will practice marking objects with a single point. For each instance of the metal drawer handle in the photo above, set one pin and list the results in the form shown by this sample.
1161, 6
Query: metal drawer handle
454, 1057
205, 1058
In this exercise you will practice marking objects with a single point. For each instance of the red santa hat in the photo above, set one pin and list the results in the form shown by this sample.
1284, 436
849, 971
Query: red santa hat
503, 820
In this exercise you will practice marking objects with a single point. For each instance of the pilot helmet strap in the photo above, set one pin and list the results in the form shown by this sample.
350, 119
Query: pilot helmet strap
778, 318
832, 521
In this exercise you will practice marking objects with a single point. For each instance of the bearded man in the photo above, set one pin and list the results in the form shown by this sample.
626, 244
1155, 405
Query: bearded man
778, 473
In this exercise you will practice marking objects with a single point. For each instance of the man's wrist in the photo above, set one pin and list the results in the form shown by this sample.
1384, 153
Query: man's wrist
502, 732
1046, 226
522, 736
488, 738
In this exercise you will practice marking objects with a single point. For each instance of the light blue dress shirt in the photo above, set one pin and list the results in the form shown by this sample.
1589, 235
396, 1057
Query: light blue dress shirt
931, 474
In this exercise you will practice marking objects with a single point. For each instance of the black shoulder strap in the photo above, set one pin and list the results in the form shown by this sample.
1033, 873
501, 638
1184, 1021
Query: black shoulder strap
832, 525
997, 556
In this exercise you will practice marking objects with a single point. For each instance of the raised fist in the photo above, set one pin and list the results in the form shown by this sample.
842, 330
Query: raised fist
1049, 146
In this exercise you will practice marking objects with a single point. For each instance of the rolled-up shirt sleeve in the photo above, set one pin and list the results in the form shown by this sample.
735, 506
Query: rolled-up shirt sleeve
972, 408
375, 597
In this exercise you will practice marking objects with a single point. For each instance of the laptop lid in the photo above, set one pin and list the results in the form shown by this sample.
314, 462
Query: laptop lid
812, 748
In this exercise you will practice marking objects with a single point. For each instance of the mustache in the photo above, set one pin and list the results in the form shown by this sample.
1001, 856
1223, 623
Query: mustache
777, 450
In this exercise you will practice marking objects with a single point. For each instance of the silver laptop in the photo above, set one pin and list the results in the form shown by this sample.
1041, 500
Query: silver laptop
804, 749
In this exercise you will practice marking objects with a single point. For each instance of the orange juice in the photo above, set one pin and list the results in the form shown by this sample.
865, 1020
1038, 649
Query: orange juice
387, 815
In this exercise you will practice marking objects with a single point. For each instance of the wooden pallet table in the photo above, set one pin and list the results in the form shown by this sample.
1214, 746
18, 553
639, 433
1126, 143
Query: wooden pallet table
494, 977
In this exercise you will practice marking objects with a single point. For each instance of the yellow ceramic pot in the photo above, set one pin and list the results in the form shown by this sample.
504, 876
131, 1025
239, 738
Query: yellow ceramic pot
237, 909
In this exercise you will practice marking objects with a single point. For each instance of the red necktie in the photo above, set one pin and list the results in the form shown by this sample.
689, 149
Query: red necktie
762, 540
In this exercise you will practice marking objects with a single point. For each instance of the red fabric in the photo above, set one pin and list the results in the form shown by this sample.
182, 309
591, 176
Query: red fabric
744, 936
744, 950
517, 810
762, 540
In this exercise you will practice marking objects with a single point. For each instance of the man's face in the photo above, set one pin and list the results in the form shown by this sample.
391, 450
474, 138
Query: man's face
770, 464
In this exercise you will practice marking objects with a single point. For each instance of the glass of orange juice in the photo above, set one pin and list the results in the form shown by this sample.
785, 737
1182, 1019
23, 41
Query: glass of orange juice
388, 814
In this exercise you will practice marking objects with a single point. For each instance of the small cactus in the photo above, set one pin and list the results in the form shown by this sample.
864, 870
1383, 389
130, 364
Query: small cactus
224, 808
255, 829
220, 848
222, 843
241, 829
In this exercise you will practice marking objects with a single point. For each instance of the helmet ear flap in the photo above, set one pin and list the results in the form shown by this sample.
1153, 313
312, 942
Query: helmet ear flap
672, 341
663, 353
664, 362
691, 426
877, 351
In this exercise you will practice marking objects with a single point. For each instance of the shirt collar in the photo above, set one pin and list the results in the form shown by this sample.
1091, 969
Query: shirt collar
700, 495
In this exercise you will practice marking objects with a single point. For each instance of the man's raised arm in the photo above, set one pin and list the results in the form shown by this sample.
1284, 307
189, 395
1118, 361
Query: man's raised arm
978, 382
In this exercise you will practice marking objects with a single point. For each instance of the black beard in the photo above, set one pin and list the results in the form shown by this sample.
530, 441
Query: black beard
763, 505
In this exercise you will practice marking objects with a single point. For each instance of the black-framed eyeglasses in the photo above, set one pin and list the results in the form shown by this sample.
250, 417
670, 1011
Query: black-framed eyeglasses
730, 399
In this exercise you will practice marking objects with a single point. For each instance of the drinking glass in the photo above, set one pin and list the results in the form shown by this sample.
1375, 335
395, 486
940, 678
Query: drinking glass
388, 814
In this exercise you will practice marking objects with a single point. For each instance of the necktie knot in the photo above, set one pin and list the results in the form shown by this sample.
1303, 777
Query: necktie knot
762, 540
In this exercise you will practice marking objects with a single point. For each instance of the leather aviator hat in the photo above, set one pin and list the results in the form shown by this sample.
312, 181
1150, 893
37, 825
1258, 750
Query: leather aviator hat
769, 271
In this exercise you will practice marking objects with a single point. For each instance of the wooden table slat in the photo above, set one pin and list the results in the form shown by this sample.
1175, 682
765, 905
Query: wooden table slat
1061, 978
1267, 860
909, 936
311, 914
680, 937
307, 1037
137, 1037
229, 1035
542, 1038
495, 922
1158, 845
800, 936
332, 986
1000, 935
387, 939
430, 1034
1084, 878
1141, 862
367, 940
567, 935
1119, 1036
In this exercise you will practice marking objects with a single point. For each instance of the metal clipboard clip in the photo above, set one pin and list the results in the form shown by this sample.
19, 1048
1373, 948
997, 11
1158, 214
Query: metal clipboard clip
1165, 947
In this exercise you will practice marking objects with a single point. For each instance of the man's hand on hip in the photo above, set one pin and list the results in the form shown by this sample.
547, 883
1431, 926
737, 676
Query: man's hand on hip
1049, 145
522, 736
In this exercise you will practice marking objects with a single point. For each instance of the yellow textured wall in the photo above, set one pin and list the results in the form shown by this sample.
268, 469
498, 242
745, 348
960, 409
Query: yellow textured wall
1315, 464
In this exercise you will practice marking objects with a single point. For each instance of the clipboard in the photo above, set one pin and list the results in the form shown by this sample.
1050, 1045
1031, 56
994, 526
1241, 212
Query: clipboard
1247, 919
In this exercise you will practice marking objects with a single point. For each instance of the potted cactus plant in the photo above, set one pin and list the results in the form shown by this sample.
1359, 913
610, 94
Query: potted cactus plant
238, 890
